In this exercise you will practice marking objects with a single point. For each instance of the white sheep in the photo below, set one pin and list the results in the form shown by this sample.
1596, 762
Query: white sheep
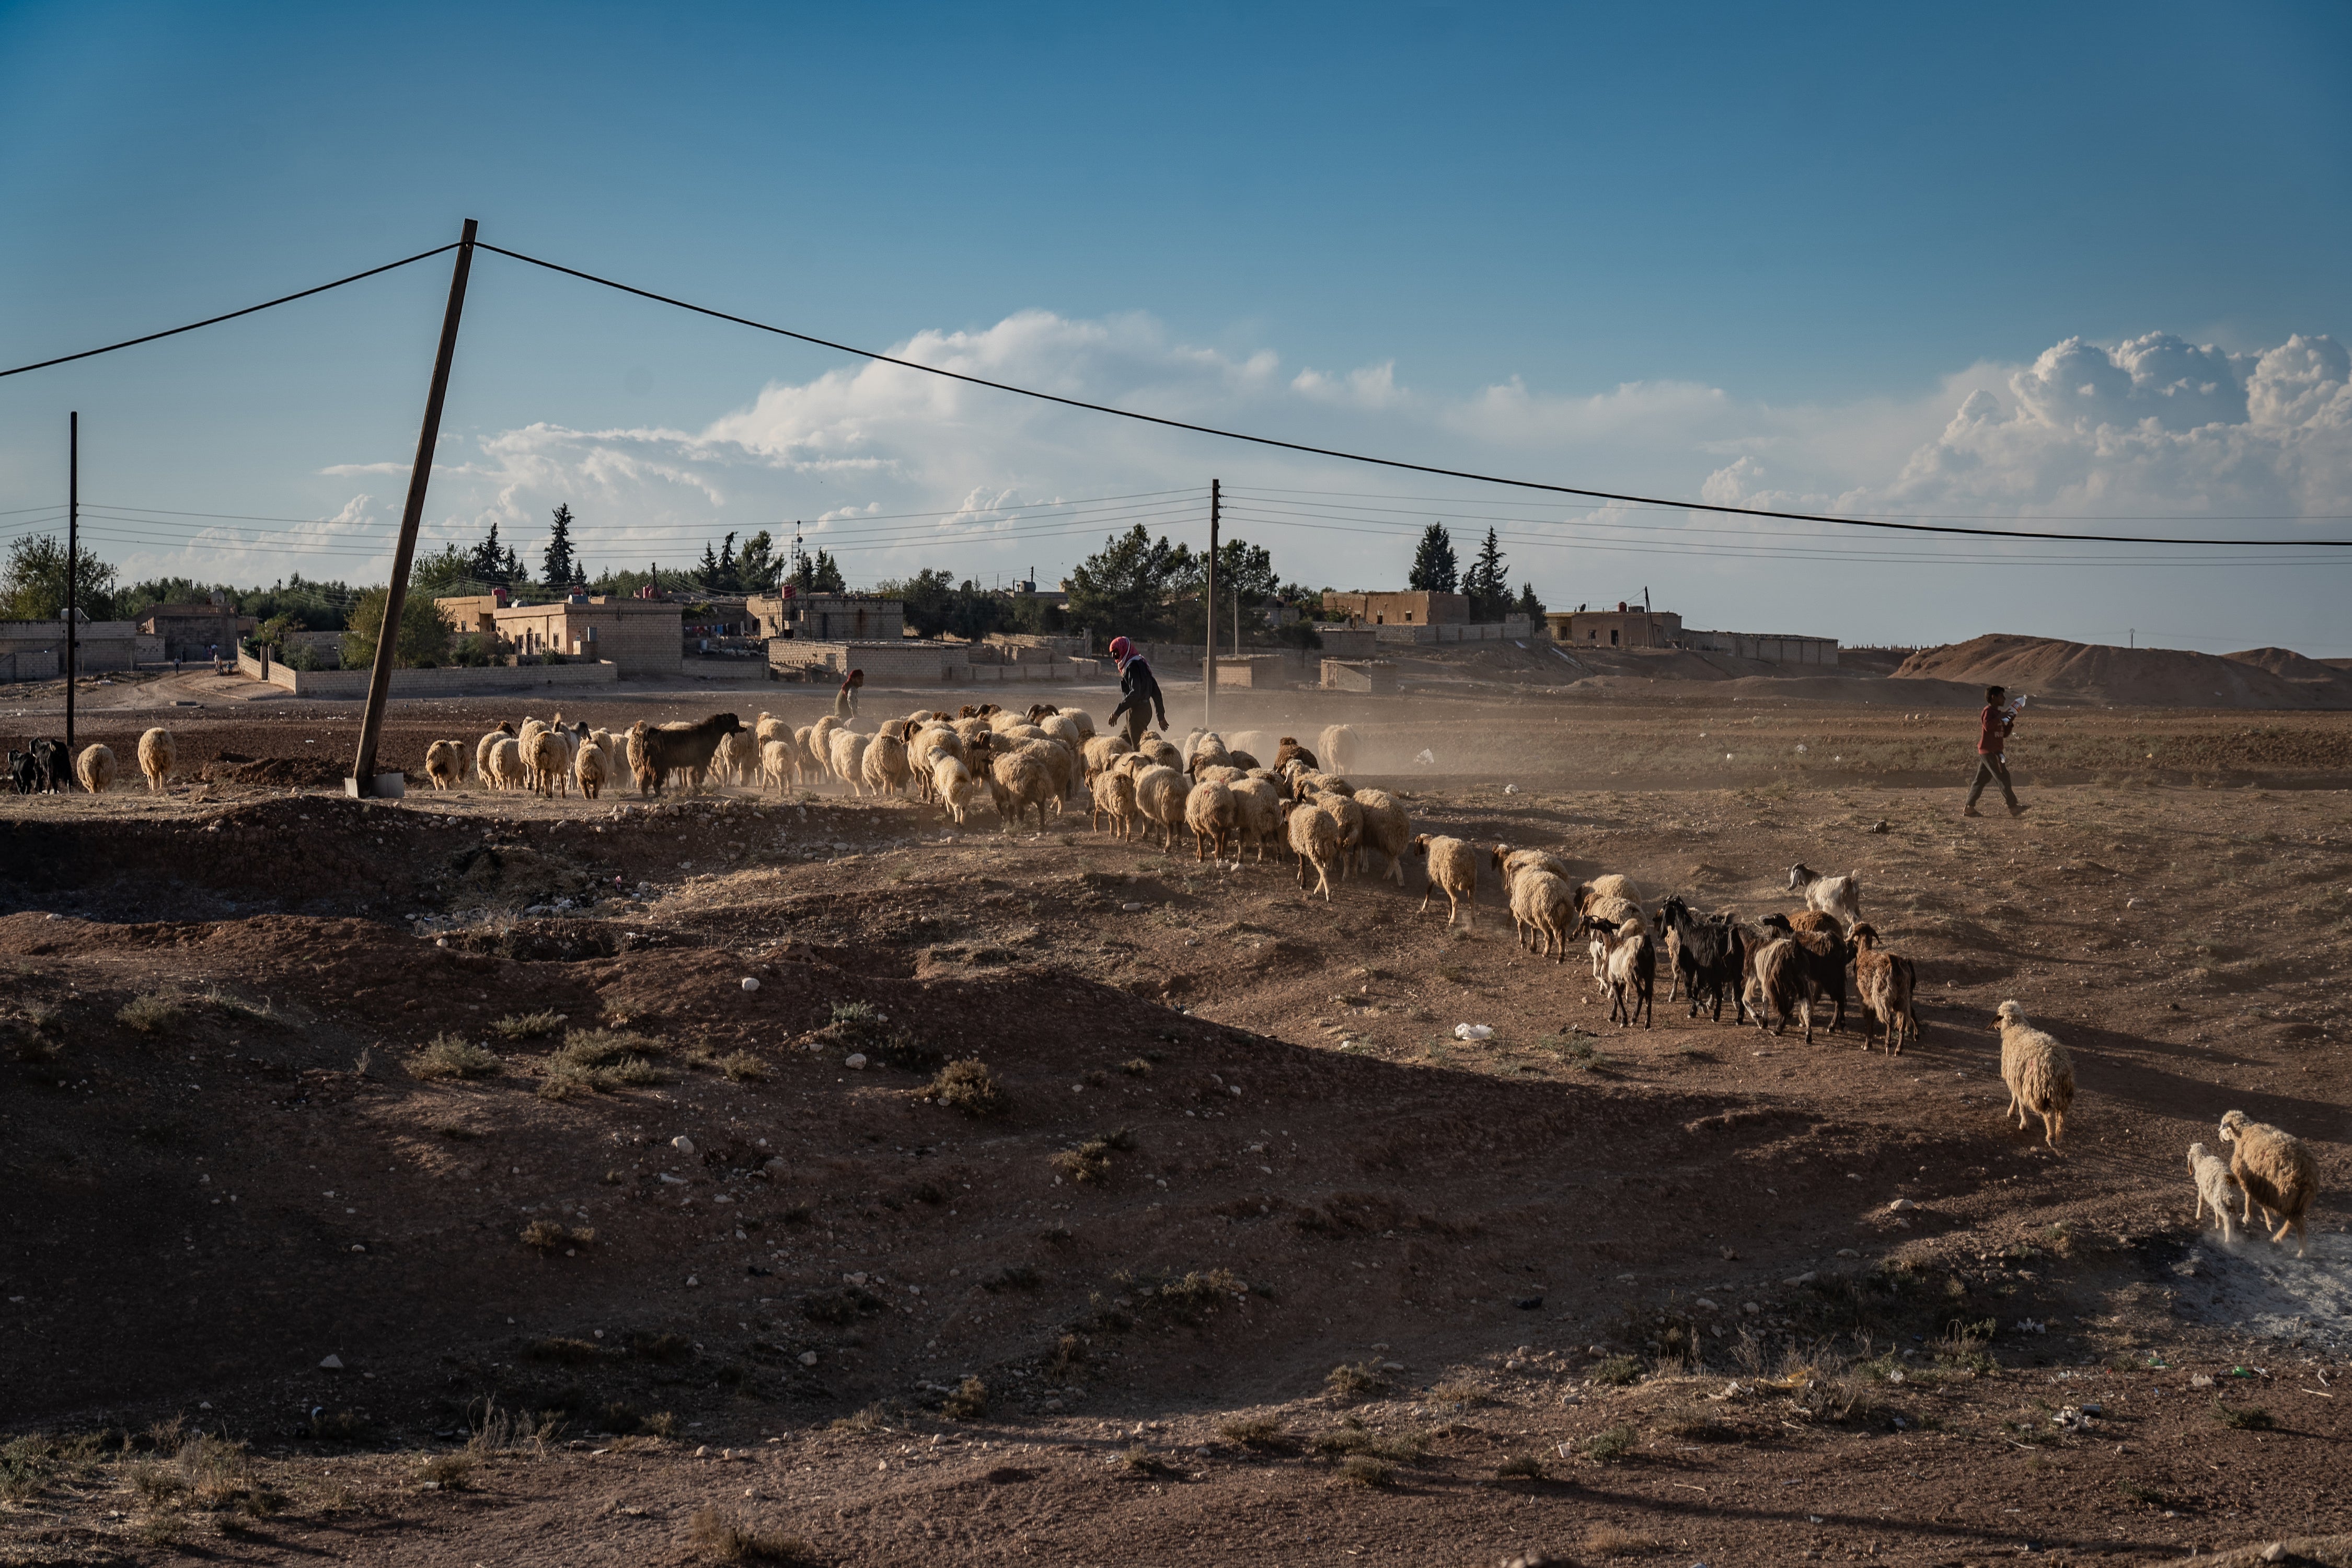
1061, 766
1214, 819
1258, 804
1016, 781
1113, 799
95, 769
157, 756
956, 788
1543, 911
2216, 1188
1387, 830
1351, 819
1314, 835
505, 732
885, 767
846, 758
445, 764
2038, 1072
506, 769
1082, 720
1342, 751
590, 768
1452, 869
2276, 1170
1160, 792
1633, 973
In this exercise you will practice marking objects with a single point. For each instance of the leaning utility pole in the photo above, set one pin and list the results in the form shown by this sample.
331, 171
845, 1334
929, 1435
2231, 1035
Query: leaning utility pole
1208, 625
73, 563
363, 780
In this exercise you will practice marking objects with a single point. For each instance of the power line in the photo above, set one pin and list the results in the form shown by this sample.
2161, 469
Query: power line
233, 315
1394, 462
1948, 516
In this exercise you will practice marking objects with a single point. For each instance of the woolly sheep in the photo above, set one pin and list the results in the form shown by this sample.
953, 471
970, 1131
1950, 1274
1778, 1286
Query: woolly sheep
2275, 1170
1888, 984
1288, 751
739, 754
2038, 1072
95, 769
1004, 719
1613, 886
768, 727
1256, 743
1387, 831
1211, 814
482, 752
1082, 720
1632, 975
1160, 751
444, 764
157, 756
1060, 727
641, 771
1257, 805
1220, 772
2215, 1188
1612, 912
1160, 792
1113, 799
1453, 868
1351, 819
1509, 862
1016, 781
930, 744
845, 758
1101, 751
549, 760
1343, 752
1314, 835
1061, 764
1543, 911
820, 742
777, 766
1838, 896
885, 767
590, 767
506, 769
953, 783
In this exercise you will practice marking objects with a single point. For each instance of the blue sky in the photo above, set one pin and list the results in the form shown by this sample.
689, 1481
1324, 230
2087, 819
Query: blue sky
1822, 257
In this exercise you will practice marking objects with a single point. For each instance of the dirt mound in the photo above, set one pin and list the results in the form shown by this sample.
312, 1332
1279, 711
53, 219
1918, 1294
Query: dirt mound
2289, 665
272, 773
2139, 678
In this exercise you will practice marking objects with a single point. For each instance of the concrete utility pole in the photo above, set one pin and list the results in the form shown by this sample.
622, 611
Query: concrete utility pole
1209, 626
395, 599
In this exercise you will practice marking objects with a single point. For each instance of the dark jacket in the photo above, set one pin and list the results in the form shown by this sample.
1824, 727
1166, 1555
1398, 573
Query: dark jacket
1137, 687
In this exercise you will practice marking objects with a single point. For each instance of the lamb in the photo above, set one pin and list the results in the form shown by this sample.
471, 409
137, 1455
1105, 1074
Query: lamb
885, 767
1633, 977
923, 752
2040, 1075
590, 767
957, 789
2277, 1172
1839, 896
1211, 814
1709, 956
1342, 752
1387, 830
444, 763
2215, 1188
506, 769
1452, 869
1887, 984
1781, 988
1160, 792
1543, 909
157, 755
94, 769
682, 747
1314, 837
1016, 781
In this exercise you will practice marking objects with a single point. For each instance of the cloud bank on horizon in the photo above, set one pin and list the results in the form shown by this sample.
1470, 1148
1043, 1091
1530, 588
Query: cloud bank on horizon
2153, 428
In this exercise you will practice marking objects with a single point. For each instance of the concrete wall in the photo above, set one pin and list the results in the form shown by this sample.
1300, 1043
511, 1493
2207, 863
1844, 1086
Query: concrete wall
724, 668
1358, 675
1407, 609
913, 662
1771, 648
1347, 642
101, 646
29, 664
1514, 628
352, 684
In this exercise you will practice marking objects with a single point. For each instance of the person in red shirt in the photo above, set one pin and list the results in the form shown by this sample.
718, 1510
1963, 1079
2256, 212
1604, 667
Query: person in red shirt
1993, 726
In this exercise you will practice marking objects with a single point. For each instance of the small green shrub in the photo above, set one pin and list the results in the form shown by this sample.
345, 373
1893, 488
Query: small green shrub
969, 1087
1363, 1470
1615, 1444
151, 1014
1618, 1371
449, 1057
527, 1025
1353, 1379
968, 1403
2243, 1418
1520, 1467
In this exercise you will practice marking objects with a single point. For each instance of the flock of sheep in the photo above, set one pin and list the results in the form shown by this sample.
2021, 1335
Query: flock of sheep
1297, 801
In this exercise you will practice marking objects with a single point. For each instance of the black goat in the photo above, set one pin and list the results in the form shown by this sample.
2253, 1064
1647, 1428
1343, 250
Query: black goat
1823, 957
665, 749
1709, 956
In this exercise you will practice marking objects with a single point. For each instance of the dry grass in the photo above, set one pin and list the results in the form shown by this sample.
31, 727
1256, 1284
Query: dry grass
1461, 1390
450, 1469
151, 1014
722, 1538
600, 1060
968, 1086
968, 1403
1609, 1447
1140, 1460
1609, 1541
1353, 1379
2243, 1418
1618, 1371
1353, 1436
1254, 1432
1089, 1162
447, 1055
1364, 1470
527, 1025
546, 1235
1520, 1467
743, 1067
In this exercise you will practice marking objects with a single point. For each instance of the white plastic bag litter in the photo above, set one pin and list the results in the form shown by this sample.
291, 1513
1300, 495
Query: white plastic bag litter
1473, 1032
1428, 759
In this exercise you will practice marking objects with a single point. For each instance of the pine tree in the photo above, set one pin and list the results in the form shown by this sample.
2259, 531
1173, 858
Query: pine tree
1434, 568
559, 568
1528, 604
1488, 583
489, 561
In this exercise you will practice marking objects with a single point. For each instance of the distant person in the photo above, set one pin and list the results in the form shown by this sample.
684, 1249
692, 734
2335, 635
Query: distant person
1138, 699
216, 651
845, 701
1993, 726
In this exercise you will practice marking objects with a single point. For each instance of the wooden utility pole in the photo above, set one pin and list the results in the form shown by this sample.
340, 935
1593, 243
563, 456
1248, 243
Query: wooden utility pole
363, 780
73, 563
1209, 627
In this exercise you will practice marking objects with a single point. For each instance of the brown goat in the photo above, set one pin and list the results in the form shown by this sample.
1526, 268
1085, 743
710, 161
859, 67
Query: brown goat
1888, 984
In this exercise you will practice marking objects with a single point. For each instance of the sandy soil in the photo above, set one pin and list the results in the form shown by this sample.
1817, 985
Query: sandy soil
1597, 1293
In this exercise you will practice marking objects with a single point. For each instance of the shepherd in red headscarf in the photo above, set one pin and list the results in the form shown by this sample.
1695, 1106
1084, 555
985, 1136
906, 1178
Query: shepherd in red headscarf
845, 701
1138, 699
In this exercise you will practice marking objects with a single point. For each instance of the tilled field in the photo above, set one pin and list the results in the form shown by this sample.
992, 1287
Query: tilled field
348, 1132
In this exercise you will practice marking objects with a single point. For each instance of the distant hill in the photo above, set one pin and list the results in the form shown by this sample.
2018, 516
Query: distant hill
2135, 677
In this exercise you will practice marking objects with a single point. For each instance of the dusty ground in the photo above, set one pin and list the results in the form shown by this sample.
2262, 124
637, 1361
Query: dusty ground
1602, 1293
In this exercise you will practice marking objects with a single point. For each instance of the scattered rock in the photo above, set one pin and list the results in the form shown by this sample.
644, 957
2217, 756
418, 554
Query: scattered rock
750, 983
683, 1144
853, 1060
333, 1363
808, 1358
1901, 1206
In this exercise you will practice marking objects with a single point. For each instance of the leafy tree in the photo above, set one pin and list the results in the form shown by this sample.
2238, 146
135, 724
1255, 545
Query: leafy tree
1488, 583
424, 637
820, 574
33, 584
1127, 586
1246, 569
446, 572
757, 568
1528, 604
1434, 568
929, 598
273, 632
559, 567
